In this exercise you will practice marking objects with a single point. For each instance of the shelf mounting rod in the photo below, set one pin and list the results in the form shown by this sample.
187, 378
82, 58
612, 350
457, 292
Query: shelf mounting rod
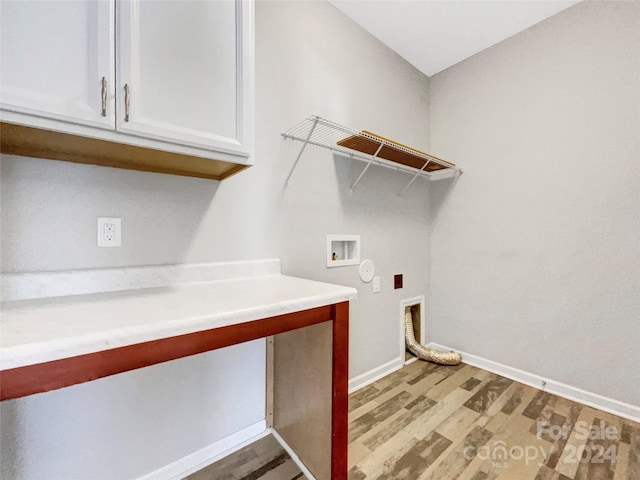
367, 166
304, 145
414, 178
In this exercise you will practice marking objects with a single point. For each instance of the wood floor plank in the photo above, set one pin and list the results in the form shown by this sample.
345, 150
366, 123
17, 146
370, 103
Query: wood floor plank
544, 420
450, 383
372, 392
569, 461
572, 415
498, 456
366, 422
265, 459
422, 454
378, 429
393, 379
536, 405
374, 464
488, 394
458, 426
526, 452
356, 474
378, 400
427, 423
412, 411
362, 396
462, 422
495, 408
563, 406
471, 384
459, 458
481, 475
612, 419
426, 383
622, 462
625, 433
467, 405
546, 473
422, 370
597, 462
514, 401
416, 423
634, 453
356, 453
475, 472
288, 470
398, 431
421, 428
498, 424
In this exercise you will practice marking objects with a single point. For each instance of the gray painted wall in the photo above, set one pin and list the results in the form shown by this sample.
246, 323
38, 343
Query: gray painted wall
347, 78
535, 254
310, 59
524, 258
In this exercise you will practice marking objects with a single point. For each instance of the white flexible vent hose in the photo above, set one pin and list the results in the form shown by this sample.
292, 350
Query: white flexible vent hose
429, 354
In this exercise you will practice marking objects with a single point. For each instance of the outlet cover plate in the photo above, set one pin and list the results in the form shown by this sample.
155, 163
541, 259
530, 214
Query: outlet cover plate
109, 232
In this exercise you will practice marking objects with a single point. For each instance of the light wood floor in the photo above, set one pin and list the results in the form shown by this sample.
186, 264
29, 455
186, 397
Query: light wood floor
429, 422
262, 460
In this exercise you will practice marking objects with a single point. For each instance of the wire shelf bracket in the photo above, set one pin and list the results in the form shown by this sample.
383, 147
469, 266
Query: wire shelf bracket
304, 145
369, 148
366, 167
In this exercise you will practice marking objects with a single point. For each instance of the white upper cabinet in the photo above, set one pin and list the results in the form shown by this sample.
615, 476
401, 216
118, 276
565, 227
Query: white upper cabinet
168, 75
57, 60
183, 71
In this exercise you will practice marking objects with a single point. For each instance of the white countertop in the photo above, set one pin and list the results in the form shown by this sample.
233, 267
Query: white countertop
41, 330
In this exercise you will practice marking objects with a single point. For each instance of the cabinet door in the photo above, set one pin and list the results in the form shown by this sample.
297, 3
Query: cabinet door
53, 57
184, 70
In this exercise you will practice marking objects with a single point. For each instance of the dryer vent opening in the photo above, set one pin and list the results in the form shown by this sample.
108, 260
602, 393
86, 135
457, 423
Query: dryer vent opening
415, 312
419, 350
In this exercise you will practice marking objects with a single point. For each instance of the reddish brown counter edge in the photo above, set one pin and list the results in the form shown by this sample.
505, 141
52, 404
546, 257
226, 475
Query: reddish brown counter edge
340, 381
44, 377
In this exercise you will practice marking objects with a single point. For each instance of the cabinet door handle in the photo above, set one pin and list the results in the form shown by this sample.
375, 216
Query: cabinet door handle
104, 97
127, 100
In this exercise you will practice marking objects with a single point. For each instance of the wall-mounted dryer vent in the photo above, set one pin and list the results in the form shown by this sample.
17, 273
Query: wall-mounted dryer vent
416, 323
419, 350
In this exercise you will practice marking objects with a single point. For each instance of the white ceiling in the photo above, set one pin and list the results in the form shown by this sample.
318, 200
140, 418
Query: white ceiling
435, 34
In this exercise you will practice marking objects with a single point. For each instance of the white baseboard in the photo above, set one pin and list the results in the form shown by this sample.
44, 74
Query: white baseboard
411, 360
576, 394
292, 454
209, 454
377, 373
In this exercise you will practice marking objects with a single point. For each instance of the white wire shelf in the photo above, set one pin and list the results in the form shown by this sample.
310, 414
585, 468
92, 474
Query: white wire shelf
367, 147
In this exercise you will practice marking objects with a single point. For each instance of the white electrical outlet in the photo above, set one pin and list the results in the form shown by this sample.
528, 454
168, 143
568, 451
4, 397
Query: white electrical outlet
376, 284
109, 232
